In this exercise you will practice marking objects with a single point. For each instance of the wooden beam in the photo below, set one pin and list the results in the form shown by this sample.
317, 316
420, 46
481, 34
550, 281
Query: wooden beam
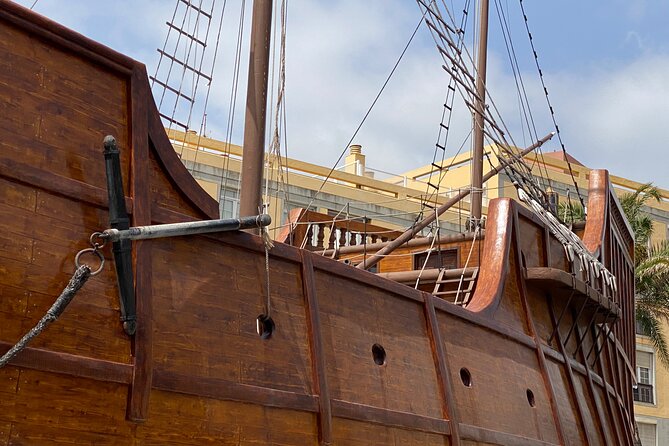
140, 390
385, 417
67, 187
448, 404
73, 365
319, 371
222, 389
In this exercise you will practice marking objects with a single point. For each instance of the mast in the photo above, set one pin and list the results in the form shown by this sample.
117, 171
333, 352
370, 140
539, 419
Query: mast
477, 152
253, 155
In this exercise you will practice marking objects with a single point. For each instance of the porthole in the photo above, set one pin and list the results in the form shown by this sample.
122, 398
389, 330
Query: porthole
530, 398
265, 326
466, 377
379, 354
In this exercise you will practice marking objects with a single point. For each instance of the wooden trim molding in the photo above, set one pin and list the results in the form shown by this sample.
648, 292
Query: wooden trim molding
73, 365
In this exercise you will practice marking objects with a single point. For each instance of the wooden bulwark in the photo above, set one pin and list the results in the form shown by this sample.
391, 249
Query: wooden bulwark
355, 359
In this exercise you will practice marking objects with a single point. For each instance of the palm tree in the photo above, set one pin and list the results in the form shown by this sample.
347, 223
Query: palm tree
652, 296
570, 212
651, 269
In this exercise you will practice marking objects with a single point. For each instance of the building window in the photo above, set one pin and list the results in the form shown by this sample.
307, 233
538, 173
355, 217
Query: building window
647, 434
228, 203
640, 329
644, 391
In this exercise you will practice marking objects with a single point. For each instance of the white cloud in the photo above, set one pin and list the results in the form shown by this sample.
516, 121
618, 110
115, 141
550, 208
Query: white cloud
616, 118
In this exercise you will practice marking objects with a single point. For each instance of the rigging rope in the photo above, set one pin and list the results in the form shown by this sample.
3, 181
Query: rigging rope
448, 105
232, 106
526, 110
369, 110
275, 144
550, 106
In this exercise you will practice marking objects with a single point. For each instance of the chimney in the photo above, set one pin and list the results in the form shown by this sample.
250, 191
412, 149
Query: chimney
355, 161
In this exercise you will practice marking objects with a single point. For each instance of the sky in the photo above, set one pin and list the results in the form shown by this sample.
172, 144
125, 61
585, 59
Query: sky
605, 65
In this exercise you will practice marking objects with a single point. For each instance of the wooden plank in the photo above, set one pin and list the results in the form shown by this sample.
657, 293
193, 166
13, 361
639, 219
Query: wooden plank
317, 354
138, 404
449, 406
385, 417
232, 391
80, 366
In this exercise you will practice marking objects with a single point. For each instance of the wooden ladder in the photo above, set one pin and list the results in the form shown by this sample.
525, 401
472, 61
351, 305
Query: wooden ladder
448, 282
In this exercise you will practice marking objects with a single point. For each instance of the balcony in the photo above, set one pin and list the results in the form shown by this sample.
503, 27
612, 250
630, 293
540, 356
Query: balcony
643, 393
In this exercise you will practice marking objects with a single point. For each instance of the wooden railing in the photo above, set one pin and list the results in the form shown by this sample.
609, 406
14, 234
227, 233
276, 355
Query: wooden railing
315, 231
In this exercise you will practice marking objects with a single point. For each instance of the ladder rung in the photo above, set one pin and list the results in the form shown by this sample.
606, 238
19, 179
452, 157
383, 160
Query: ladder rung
437, 166
443, 126
184, 64
432, 185
173, 90
441, 147
193, 38
204, 13
464, 279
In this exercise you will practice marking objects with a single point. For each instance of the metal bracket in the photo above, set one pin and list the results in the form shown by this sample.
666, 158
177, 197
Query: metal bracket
118, 219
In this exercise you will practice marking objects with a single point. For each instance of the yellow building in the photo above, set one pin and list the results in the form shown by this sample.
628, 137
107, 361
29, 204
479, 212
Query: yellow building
397, 200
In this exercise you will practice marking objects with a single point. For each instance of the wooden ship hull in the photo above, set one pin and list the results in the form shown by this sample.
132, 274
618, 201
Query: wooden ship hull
355, 359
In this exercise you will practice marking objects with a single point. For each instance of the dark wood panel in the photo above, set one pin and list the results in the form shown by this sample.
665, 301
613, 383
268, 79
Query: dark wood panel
499, 367
354, 318
73, 403
45, 435
205, 314
204, 421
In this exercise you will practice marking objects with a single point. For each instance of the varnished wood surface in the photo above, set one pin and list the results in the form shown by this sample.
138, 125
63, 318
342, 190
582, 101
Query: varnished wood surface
196, 372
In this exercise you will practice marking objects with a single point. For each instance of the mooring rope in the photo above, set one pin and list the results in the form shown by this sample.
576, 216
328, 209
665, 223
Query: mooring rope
81, 275
79, 278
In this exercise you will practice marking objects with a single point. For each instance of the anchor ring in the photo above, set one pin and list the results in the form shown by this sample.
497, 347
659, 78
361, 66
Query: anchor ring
93, 251
100, 236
